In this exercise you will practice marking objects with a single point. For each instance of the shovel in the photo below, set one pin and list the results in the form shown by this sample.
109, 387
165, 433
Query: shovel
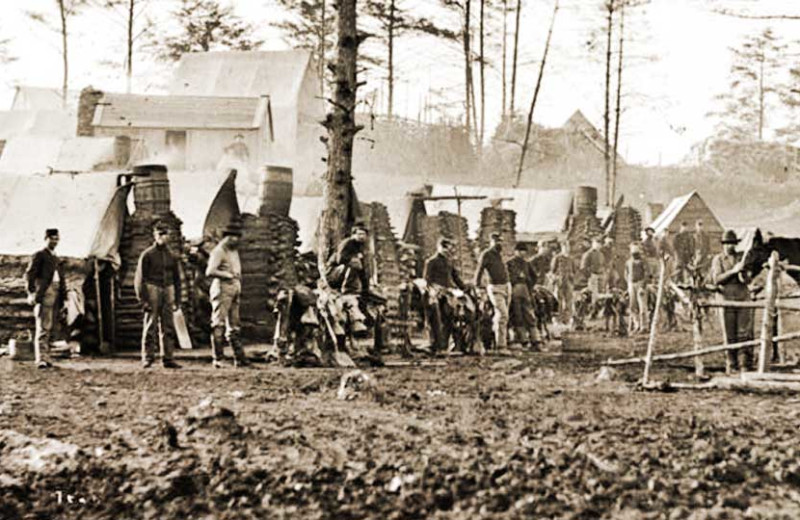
341, 359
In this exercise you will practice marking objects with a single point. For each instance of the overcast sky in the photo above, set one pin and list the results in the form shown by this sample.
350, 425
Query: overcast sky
679, 51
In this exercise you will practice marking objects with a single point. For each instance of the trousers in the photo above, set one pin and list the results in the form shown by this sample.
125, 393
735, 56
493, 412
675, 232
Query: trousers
639, 311
159, 324
738, 325
498, 296
225, 323
45, 317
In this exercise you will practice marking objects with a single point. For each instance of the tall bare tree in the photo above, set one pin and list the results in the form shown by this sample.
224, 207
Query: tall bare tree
342, 129
66, 9
504, 50
610, 8
536, 93
131, 16
482, 65
618, 105
514, 59
312, 27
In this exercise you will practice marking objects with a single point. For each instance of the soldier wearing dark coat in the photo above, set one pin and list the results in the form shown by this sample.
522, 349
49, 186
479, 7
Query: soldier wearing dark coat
441, 275
47, 290
522, 316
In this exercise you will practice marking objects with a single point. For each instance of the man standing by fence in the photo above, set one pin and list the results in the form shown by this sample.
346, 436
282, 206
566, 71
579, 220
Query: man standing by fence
47, 289
491, 261
728, 274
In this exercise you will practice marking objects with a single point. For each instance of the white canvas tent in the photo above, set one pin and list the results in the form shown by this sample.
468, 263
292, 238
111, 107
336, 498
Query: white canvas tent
88, 209
205, 201
541, 214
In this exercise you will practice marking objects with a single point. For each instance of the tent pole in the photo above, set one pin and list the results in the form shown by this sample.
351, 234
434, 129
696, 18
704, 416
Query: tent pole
113, 317
99, 305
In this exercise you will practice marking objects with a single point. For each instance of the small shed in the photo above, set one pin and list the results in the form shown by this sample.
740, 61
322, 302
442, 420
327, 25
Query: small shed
690, 208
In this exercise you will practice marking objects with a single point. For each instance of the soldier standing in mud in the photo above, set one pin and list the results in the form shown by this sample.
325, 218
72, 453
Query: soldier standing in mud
636, 274
491, 261
47, 290
540, 262
728, 273
522, 316
225, 271
441, 275
563, 269
158, 288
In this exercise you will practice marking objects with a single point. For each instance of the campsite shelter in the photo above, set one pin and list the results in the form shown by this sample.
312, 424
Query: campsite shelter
43, 154
690, 208
89, 211
540, 214
291, 81
194, 133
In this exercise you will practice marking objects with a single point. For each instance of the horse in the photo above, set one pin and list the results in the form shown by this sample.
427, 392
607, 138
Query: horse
757, 255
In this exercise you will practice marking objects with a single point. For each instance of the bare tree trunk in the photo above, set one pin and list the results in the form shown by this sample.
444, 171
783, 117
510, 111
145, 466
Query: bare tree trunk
342, 129
505, 38
607, 112
514, 61
467, 66
129, 63
536, 95
483, 78
321, 64
390, 110
62, 9
618, 108
761, 98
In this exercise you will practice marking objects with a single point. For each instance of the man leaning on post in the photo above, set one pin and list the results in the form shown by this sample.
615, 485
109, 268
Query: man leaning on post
158, 289
46, 290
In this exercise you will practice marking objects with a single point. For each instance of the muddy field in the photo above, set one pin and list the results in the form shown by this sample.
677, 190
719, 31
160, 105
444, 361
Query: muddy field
527, 436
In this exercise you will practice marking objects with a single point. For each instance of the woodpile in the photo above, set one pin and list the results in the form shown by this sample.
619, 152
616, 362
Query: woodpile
584, 227
137, 235
268, 253
455, 228
384, 257
498, 220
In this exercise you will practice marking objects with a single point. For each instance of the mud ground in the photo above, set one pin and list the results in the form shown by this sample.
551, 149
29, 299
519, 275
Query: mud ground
526, 436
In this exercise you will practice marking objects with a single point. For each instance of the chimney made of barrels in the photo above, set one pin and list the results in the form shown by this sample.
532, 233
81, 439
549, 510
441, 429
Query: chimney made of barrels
87, 104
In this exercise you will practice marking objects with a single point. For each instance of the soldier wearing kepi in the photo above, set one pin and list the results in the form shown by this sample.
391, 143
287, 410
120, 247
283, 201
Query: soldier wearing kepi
47, 289
593, 265
441, 275
225, 271
158, 288
522, 316
491, 261
728, 273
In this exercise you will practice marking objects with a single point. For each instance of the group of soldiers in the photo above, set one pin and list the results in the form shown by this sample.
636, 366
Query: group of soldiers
510, 286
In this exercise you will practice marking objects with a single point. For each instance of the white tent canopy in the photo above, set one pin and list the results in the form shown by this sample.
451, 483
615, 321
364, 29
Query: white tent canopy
87, 209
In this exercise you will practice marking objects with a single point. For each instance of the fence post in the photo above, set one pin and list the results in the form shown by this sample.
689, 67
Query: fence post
769, 312
648, 361
697, 334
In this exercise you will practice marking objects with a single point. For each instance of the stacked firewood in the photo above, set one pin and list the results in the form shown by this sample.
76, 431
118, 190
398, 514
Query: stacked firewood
498, 220
384, 257
583, 228
137, 235
268, 254
455, 228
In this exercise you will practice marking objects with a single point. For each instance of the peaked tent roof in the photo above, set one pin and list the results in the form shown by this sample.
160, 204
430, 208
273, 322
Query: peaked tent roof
679, 209
278, 74
43, 98
540, 213
35, 154
88, 209
140, 111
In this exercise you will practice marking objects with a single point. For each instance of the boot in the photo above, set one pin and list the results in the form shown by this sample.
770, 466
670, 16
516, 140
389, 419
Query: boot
217, 344
239, 357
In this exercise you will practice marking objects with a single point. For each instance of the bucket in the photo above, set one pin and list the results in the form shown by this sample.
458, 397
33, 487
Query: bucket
586, 200
20, 350
276, 191
151, 192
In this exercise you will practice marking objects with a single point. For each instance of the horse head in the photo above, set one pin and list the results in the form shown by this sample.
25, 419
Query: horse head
757, 254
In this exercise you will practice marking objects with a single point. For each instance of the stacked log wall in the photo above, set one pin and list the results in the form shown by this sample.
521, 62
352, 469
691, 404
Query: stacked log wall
502, 221
455, 228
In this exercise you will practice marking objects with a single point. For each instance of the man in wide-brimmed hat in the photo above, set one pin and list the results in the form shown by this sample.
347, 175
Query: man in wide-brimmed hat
225, 271
46, 292
727, 272
158, 288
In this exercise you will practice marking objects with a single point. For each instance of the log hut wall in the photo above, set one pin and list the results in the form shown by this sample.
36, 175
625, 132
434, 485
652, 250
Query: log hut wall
497, 220
16, 316
449, 225
269, 257
385, 260
627, 229
584, 224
